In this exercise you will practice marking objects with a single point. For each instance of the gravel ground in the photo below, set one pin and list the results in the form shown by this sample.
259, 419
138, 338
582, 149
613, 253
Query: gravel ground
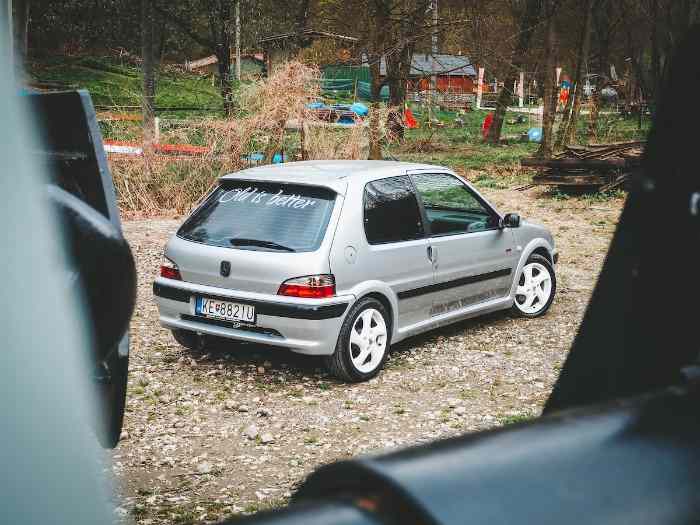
235, 430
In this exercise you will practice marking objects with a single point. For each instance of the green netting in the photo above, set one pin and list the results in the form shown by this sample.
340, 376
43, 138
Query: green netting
364, 91
337, 84
349, 78
347, 72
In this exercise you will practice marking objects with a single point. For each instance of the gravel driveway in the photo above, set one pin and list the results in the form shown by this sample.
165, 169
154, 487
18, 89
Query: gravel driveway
236, 429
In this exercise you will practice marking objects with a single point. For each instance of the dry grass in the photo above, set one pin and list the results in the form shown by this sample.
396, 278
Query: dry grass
153, 184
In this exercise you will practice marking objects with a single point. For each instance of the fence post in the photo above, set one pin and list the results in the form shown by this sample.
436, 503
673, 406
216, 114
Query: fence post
156, 131
521, 89
480, 88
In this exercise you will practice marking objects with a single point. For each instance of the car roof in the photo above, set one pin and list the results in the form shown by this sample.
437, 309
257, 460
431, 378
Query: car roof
334, 174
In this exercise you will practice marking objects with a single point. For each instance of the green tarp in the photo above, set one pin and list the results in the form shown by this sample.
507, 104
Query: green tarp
349, 79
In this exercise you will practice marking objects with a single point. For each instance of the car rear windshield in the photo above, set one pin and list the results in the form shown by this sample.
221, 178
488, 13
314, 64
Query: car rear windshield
250, 215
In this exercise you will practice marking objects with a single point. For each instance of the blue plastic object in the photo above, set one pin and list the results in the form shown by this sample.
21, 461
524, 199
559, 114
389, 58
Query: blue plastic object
359, 109
534, 134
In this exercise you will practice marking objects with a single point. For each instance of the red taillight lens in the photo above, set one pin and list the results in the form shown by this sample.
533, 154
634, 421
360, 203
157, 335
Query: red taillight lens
309, 286
169, 270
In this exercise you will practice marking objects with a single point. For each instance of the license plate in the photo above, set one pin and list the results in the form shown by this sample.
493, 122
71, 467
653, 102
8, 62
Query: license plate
228, 311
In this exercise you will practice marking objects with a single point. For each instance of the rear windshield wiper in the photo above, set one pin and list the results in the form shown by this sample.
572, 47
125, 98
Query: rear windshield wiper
240, 241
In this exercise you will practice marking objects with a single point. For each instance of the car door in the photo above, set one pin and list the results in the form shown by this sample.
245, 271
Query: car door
473, 256
398, 247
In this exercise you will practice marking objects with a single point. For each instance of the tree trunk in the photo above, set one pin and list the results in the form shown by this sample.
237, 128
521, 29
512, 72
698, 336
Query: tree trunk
223, 54
528, 23
21, 22
593, 121
549, 109
578, 86
375, 142
655, 51
148, 50
567, 130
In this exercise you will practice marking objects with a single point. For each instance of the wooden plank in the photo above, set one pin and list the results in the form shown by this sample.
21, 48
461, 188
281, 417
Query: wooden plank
574, 163
570, 180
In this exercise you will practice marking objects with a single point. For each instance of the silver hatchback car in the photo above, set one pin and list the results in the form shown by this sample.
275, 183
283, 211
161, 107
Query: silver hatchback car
343, 258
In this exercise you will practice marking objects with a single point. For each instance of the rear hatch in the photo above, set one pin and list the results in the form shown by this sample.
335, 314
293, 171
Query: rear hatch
262, 232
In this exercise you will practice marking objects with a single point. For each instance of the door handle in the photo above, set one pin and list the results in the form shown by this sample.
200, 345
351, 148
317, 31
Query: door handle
433, 256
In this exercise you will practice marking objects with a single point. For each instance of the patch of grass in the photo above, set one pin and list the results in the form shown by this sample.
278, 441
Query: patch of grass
467, 393
137, 390
511, 420
113, 83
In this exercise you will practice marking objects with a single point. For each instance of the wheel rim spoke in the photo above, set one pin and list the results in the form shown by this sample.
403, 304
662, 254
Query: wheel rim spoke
541, 294
541, 278
356, 339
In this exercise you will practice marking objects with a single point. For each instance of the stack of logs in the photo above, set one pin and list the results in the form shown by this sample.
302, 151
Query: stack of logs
595, 166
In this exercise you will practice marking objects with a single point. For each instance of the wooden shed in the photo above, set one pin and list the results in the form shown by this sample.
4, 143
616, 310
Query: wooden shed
454, 72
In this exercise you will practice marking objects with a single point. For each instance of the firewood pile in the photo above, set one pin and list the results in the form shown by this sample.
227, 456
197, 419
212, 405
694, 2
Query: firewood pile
595, 166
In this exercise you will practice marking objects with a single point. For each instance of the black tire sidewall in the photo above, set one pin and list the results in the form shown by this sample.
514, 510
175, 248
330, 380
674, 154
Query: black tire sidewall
536, 258
343, 345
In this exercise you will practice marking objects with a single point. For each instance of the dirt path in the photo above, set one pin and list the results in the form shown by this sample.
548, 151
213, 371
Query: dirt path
187, 456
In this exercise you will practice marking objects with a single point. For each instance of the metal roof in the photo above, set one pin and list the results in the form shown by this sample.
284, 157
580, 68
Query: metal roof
451, 65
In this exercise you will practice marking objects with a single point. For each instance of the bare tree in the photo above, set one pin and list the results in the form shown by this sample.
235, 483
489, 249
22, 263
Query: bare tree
528, 24
567, 130
21, 9
549, 107
148, 52
220, 24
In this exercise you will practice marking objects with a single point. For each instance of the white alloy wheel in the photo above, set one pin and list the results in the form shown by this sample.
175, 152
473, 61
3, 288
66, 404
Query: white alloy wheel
534, 288
368, 338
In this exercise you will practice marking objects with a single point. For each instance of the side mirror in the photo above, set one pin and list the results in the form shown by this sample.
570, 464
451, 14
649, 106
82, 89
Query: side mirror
511, 220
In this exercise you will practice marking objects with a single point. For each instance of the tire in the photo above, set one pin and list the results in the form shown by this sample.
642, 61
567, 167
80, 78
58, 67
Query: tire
346, 362
538, 294
190, 340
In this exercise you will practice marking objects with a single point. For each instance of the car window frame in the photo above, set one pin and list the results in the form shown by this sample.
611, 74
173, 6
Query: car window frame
428, 226
421, 213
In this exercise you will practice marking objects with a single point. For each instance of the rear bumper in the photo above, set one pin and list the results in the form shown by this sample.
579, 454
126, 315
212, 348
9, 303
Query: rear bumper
307, 326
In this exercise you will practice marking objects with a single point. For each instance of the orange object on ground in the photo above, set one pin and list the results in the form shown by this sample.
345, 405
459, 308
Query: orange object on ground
411, 121
486, 125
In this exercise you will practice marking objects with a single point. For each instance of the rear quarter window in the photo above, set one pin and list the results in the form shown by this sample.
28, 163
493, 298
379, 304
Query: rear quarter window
391, 212
262, 216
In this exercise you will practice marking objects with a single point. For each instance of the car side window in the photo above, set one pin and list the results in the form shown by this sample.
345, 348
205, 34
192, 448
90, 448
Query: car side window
391, 212
450, 206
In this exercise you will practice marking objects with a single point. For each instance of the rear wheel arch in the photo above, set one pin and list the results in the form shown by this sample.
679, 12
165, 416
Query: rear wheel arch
544, 252
386, 303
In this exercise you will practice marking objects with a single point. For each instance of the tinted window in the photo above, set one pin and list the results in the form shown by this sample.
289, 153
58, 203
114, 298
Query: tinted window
450, 206
391, 211
252, 215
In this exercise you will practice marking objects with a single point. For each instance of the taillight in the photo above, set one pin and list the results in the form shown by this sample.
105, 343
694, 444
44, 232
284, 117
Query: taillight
309, 286
169, 270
